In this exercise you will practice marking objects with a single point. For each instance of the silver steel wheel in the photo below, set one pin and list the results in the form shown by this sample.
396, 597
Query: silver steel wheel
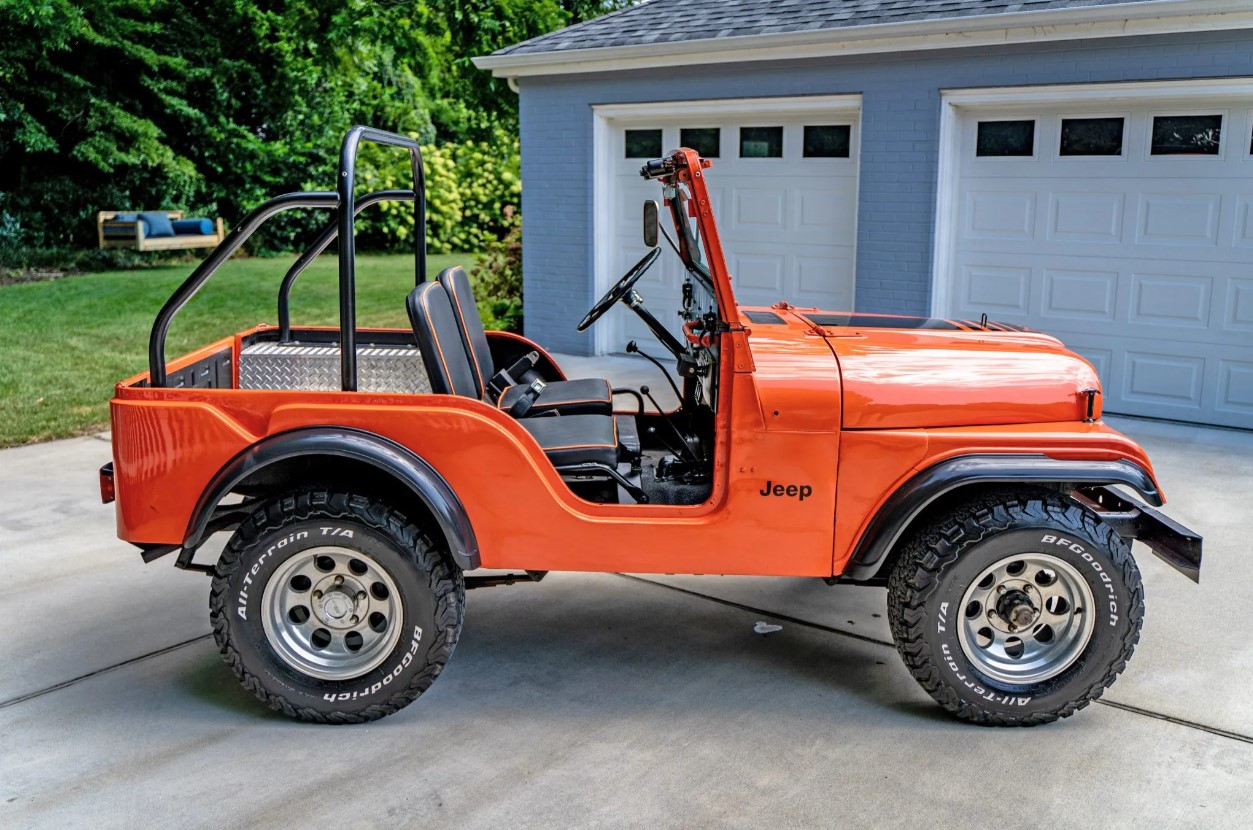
331, 613
1026, 619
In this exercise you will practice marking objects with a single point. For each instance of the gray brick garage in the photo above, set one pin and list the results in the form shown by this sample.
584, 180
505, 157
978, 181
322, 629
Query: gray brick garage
1085, 168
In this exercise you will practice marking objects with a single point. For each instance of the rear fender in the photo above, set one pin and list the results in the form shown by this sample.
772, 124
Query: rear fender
387, 456
909, 501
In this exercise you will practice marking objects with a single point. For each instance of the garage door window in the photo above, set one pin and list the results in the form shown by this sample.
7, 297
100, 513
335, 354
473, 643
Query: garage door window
704, 140
1091, 136
643, 144
827, 142
1012, 139
1187, 135
761, 142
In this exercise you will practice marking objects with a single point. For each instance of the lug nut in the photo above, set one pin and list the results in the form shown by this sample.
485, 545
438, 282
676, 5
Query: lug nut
355, 619
317, 594
339, 580
361, 596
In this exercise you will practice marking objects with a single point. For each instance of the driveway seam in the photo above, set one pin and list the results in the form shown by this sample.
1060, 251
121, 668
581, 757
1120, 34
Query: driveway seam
13, 701
1125, 707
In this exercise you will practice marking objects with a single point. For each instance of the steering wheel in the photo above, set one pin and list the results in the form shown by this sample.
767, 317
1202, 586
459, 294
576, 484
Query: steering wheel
619, 290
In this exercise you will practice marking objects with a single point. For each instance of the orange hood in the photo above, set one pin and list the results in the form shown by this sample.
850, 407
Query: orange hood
902, 373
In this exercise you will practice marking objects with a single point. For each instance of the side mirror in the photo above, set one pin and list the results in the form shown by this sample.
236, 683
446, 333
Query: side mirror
650, 223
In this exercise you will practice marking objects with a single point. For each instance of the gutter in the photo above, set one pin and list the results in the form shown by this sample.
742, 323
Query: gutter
1119, 20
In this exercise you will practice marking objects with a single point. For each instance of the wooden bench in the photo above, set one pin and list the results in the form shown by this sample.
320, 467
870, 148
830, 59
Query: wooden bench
140, 242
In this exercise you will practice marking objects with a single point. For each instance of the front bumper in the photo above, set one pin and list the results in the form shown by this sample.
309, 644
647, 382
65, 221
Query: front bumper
1173, 543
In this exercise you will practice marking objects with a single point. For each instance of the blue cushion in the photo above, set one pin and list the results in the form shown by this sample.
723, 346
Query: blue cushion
158, 224
125, 217
118, 230
201, 227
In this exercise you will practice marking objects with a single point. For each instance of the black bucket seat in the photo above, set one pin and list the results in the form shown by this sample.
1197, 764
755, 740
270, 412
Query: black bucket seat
584, 443
569, 397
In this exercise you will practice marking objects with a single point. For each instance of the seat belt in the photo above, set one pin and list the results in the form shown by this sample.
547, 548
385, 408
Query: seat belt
523, 405
505, 378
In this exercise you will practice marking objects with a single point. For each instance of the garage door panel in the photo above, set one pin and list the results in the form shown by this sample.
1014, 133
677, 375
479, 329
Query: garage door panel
757, 273
1170, 301
1097, 215
1001, 215
825, 212
1198, 382
1001, 289
1235, 389
1140, 262
1178, 219
757, 209
1089, 218
1163, 379
1077, 294
1243, 234
817, 276
1238, 308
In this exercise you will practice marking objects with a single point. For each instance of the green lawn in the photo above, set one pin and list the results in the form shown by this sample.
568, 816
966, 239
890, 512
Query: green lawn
64, 343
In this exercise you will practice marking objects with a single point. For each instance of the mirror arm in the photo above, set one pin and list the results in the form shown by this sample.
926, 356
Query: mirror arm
666, 234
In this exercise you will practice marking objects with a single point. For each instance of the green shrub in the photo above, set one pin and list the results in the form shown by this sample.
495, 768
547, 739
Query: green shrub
497, 278
468, 187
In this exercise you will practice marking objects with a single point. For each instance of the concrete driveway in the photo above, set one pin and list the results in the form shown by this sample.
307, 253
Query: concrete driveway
605, 700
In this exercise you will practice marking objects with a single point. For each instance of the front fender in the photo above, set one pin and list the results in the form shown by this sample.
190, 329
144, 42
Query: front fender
385, 455
908, 502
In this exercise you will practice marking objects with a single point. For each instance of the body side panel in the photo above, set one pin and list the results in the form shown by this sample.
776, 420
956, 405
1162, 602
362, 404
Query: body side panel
171, 443
875, 464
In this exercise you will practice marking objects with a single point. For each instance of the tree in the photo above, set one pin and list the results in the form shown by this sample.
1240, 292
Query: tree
473, 104
215, 105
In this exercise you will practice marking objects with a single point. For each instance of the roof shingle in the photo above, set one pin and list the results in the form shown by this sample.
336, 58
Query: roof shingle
669, 21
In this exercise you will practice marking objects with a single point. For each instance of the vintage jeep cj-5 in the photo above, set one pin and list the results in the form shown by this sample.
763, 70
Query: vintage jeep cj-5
366, 474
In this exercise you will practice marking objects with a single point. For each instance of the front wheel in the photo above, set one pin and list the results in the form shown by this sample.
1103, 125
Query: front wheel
334, 608
1016, 609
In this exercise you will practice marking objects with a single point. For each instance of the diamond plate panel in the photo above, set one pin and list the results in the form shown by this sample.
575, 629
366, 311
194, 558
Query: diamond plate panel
316, 368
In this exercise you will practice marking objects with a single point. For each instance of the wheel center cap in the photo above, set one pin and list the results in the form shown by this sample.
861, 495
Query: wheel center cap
1017, 609
336, 606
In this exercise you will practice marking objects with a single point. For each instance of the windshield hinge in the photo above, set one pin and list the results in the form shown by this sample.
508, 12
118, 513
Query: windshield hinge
739, 348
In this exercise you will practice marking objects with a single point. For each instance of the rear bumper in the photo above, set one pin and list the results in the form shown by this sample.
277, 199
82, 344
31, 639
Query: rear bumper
1173, 543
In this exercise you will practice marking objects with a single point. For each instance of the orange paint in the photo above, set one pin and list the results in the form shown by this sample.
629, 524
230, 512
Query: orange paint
845, 414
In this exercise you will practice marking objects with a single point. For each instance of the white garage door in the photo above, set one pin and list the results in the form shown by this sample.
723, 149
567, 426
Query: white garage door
784, 190
1126, 230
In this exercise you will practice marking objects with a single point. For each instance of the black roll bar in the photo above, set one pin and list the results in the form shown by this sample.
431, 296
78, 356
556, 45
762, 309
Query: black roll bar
348, 239
320, 244
225, 249
344, 200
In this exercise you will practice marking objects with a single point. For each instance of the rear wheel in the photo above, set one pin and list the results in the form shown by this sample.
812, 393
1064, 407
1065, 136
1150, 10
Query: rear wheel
1016, 609
334, 608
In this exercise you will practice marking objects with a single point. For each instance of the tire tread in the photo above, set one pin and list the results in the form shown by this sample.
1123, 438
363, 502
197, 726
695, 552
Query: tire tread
444, 579
920, 568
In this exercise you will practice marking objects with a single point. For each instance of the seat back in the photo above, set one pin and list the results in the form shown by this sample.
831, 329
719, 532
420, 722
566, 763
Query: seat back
457, 284
440, 342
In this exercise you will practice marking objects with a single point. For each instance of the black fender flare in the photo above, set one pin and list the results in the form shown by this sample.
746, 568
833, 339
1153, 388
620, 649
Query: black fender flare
915, 495
420, 477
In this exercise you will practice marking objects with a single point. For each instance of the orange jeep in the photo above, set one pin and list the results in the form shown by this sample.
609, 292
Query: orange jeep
366, 474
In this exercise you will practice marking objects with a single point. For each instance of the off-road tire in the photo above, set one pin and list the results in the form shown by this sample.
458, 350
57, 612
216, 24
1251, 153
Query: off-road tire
936, 567
430, 588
